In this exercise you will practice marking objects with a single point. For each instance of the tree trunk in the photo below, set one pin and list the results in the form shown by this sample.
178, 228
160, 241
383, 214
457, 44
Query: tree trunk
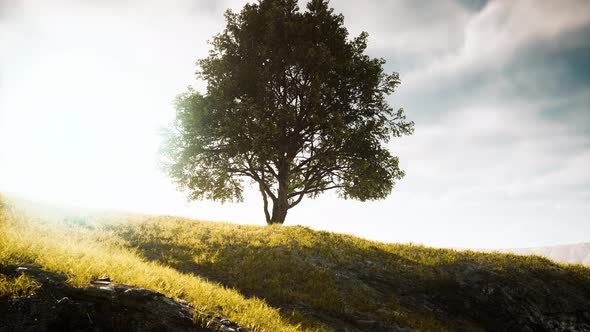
279, 213
279, 209
281, 205
265, 200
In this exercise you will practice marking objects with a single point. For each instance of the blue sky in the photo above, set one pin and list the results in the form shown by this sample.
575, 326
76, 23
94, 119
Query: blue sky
499, 91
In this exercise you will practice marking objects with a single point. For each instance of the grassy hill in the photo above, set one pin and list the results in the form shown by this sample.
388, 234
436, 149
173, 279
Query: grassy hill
293, 278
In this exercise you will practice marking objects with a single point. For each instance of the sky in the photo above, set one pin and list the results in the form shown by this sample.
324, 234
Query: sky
499, 92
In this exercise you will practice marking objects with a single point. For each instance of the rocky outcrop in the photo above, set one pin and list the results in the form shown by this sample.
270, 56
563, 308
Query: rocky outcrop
102, 306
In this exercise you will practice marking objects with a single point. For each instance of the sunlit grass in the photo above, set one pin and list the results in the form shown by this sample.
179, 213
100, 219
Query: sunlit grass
83, 255
321, 269
17, 287
273, 275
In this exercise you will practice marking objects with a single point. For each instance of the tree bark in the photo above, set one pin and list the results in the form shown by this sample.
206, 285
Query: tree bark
265, 200
280, 207
279, 213
281, 204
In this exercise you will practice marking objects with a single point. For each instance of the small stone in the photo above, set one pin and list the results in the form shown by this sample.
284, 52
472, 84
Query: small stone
226, 322
186, 303
366, 323
211, 324
63, 300
166, 300
100, 282
21, 269
104, 278
143, 294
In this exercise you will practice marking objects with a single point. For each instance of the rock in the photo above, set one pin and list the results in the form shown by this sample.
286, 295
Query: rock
372, 325
211, 324
100, 282
186, 303
104, 308
141, 294
219, 324
64, 300
365, 323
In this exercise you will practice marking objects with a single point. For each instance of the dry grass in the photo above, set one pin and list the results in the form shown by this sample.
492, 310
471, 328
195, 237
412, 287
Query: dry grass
263, 268
84, 254
17, 287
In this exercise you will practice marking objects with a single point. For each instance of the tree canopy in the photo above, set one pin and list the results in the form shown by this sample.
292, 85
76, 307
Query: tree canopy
292, 104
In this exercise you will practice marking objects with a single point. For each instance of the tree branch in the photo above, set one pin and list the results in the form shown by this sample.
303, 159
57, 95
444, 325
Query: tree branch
315, 190
296, 201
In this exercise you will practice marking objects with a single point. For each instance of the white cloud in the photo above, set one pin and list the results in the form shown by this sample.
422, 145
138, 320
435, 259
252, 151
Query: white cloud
410, 28
498, 149
501, 28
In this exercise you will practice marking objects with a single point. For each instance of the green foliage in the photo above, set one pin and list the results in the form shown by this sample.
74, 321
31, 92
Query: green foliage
293, 105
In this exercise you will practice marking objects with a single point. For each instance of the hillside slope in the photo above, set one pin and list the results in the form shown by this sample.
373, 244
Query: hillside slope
294, 278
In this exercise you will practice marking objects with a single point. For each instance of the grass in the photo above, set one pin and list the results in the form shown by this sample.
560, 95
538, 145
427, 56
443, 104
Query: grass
270, 278
17, 287
284, 265
84, 254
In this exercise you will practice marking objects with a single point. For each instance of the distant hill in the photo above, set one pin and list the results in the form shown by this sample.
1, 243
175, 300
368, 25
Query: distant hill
578, 253
272, 278
570, 253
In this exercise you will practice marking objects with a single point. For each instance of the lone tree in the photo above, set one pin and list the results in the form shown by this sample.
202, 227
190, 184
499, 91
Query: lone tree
291, 104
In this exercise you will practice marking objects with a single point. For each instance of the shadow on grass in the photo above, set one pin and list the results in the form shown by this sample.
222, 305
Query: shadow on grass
352, 284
